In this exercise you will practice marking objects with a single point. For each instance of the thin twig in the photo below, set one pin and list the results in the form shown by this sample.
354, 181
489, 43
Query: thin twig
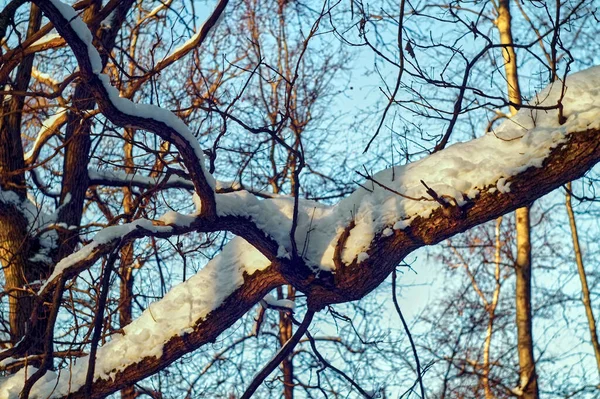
283, 352
412, 343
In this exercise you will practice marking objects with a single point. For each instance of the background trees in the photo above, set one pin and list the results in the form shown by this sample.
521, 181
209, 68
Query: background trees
268, 90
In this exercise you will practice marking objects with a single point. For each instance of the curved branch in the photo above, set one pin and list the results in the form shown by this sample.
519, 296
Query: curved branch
125, 113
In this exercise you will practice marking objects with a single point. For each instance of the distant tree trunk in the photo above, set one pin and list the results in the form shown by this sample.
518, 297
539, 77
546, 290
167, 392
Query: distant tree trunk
528, 377
125, 272
587, 302
75, 178
491, 308
17, 247
77, 151
285, 334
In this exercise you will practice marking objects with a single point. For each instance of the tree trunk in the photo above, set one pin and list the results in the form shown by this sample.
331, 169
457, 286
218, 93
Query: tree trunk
587, 302
285, 334
126, 286
492, 313
17, 247
528, 378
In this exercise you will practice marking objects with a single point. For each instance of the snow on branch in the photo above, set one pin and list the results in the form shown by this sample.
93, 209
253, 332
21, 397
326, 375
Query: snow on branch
456, 175
122, 179
124, 112
49, 128
114, 178
105, 241
361, 239
193, 42
179, 313
392, 199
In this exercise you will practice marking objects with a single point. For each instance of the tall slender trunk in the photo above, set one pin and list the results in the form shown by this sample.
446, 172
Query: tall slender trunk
528, 377
285, 334
492, 313
126, 286
587, 302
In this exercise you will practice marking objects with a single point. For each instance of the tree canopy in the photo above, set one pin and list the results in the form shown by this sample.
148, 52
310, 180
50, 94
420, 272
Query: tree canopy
133, 138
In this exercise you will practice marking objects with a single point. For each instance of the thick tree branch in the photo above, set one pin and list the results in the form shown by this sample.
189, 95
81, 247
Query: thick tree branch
565, 163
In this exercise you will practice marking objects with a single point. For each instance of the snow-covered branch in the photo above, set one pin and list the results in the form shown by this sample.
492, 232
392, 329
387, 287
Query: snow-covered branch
193, 42
124, 112
191, 314
557, 154
49, 128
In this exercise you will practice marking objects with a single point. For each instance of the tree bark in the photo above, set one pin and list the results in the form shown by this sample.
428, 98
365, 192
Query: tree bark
17, 246
491, 308
587, 302
285, 334
125, 270
75, 165
528, 378
579, 152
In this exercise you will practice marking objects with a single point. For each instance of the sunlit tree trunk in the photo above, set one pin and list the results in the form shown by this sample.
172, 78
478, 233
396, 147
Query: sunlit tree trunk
528, 378
285, 334
587, 302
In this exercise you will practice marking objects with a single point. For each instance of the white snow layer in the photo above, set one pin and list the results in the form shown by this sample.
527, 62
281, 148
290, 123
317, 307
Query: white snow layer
270, 301
457, 173
104, 236
82, 31
46, 38
176, 314
46, 125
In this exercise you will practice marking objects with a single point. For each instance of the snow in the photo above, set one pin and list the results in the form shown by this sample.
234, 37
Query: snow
151, 111
271, 302
119, 177
48, 124
361, 257
177, 219
158, 8
457, 174
46, 39
182, 308
82, 31
37, 223
109, 20
103, 237
191, 42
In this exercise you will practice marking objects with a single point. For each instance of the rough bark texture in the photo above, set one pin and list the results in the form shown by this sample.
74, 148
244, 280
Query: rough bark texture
528, 378
17, 245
